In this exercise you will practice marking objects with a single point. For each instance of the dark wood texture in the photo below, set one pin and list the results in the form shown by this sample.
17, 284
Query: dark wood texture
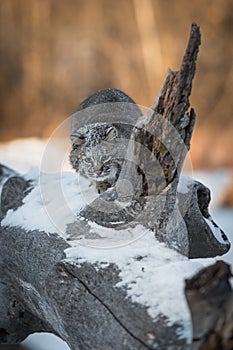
210, 298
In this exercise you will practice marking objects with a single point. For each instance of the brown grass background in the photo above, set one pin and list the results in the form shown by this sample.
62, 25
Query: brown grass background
54, 53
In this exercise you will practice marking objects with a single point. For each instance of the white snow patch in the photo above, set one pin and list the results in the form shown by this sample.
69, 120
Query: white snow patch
53, 203
110, 237
185, 184
224, 218
215, 230
31, 215
152, 274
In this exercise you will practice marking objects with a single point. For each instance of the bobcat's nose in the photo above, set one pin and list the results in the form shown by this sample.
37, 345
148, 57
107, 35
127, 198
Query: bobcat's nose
98, 172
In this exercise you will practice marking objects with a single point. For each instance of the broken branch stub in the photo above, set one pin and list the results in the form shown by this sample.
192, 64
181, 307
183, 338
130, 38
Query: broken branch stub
210, 300
167, 128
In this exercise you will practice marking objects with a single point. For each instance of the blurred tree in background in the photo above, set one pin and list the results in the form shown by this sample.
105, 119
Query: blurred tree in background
54, 53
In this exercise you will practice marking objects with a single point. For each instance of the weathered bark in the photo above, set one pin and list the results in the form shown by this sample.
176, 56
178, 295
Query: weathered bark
161, 139
210, 299
200, 225
13, 347
13, 194
168, 127
78, 303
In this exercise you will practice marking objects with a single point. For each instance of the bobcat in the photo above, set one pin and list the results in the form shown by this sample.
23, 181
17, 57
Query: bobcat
98, 149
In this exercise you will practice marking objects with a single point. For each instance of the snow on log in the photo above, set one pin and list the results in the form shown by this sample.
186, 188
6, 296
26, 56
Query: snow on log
129, 296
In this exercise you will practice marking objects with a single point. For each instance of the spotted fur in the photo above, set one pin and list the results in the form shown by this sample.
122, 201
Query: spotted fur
98, 149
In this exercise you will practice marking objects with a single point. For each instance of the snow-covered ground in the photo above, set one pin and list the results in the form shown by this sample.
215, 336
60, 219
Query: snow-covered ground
22, 154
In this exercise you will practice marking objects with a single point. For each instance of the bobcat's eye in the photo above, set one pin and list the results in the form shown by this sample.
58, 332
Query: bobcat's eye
77, 139
105, 158
88, 160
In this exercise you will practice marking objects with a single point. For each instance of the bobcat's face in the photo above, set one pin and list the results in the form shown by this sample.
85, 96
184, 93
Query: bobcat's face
96, 154
99, 163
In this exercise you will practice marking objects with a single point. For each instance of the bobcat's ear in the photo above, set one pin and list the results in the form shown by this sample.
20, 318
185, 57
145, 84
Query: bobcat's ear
111, 134
77, 139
